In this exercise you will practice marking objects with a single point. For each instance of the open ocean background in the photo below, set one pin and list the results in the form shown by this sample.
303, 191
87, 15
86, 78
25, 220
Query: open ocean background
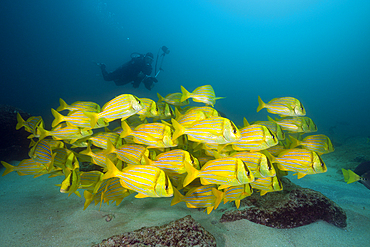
316, 51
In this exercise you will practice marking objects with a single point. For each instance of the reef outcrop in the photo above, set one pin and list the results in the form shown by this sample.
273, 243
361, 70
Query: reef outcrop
14, 144
292, 207
183, 232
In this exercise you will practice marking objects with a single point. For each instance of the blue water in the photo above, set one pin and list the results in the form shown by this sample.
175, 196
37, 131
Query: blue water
316, 51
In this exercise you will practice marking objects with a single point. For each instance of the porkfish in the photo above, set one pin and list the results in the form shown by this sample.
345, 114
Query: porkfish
284, 106
203, 94
217, 130
147, 181
223, 171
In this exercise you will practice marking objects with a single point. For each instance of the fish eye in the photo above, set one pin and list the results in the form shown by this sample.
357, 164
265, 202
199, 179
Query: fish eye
269, 165
234, 128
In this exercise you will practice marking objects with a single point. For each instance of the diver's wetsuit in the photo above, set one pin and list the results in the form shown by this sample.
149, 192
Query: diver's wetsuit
129, 72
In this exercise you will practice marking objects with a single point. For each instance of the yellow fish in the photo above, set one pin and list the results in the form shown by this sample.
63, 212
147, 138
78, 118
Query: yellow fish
84, 106
173, 99
121, 107
321, 144
150, 109
285, 106
173, 162
30, 125
302, 161
200, 197
130, 153
26, 167
211, 130
77, 119
71, 183
64, 132
224, 171
154, 135
237, 193
255, 137
257, 162
269, 184
204, 94
148, 181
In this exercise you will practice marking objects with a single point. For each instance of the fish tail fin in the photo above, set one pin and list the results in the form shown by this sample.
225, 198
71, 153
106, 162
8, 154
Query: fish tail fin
219, 196
192, 174
126, 130
20, 121
160, 98
8, 168
345, 175
179, 129
177, 197
352, 177
185, 94
112, 170
177, 113
58, 118
261, 104
41, 132
93, 118
110, 148
63, 105
88, 198
295, 142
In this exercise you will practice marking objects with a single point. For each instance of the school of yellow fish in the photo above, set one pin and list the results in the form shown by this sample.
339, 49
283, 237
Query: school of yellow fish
170, 149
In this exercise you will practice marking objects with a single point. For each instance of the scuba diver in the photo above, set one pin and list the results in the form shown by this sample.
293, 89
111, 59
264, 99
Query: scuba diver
137, 70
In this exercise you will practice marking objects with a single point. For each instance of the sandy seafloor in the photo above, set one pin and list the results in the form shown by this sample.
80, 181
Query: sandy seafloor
34, 212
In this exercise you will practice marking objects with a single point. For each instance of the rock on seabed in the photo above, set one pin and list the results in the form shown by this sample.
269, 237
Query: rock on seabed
183, 232
292, 207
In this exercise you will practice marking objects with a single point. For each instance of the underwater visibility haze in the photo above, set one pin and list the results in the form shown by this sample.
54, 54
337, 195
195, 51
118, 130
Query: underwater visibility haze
310, 52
